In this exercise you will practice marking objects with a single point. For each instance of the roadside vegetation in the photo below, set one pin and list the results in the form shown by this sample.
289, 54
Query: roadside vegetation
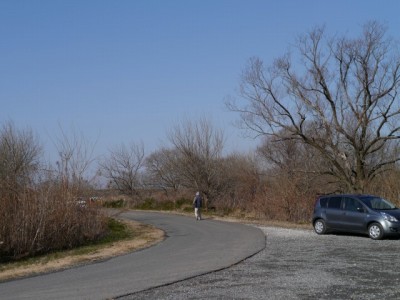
327, 124
123, 237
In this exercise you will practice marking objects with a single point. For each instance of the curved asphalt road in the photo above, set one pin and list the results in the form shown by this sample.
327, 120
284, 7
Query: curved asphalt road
191, 248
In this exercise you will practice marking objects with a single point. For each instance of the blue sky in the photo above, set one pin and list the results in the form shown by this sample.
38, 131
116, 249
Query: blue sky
127, 71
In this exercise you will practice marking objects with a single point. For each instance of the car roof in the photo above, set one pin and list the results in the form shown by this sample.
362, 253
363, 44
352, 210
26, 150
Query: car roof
348, 195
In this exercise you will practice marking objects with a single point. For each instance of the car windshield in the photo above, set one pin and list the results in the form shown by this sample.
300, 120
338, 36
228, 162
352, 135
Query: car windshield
377, 203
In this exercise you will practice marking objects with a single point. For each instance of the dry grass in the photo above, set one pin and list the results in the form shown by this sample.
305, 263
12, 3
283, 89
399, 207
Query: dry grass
268, 223
144, 236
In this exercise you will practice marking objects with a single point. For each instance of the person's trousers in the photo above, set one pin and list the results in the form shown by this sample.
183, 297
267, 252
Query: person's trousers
197, 213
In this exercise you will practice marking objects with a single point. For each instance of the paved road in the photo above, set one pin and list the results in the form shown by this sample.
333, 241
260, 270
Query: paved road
190, 249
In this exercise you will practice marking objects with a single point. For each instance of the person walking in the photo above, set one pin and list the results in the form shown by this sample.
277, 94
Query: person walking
197, 203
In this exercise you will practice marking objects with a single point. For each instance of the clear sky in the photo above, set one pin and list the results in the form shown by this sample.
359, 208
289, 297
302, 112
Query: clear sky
127, 71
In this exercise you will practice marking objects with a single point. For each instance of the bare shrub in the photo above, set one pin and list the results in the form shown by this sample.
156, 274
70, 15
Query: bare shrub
45, 220
387, 185
39, 211
240, 181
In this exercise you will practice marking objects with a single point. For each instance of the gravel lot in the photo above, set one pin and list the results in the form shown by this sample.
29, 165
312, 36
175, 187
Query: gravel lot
298, 264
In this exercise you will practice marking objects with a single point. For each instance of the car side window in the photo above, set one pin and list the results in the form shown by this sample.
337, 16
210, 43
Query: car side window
351, 204
323, 202
335, 202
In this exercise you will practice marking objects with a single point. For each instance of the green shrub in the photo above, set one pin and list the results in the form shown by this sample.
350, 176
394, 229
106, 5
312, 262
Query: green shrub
187, 209
148, 204
182, 202
115, 203
166, 205
116, 231
153, 204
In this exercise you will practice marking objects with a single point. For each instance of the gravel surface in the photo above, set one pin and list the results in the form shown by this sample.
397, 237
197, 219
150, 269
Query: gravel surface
298, 264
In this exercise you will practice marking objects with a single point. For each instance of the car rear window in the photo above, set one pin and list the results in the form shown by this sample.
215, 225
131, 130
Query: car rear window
323, 202
334, 202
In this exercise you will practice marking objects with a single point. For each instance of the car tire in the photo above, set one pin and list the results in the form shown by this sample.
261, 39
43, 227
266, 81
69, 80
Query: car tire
375, 231
320, 226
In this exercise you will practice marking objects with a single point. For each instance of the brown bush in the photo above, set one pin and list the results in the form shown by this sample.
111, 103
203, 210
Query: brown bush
44, 220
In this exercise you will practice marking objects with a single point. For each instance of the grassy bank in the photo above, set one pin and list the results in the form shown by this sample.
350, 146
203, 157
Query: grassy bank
123, 237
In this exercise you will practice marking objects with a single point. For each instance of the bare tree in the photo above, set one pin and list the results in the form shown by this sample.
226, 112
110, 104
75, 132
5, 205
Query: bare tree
294, 159
19, 158
122, 167
293, 178
341, 100
200, 148
241, 174
76, 155
163, 169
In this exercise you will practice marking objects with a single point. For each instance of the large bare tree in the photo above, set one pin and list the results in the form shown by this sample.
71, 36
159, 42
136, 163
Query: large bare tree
337, 95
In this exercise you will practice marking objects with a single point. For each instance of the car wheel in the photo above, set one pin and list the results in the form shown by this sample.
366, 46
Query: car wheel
375, 231
320, 226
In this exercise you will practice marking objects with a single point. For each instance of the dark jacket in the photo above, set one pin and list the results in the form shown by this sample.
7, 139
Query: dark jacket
197, 202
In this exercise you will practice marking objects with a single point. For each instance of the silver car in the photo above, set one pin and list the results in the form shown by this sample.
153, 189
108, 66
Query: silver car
364, 214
